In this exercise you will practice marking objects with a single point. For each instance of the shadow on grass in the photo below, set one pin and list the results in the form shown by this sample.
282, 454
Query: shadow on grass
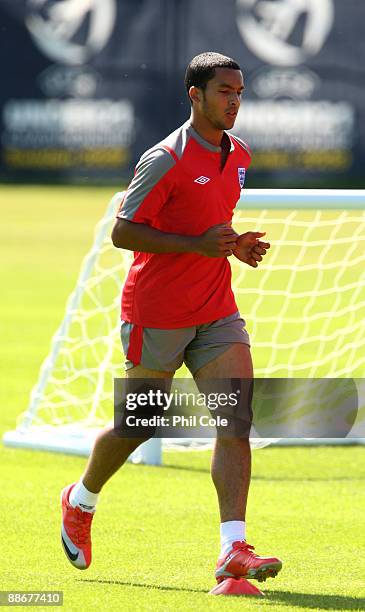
284, 478
316, 601
143, 585
287, 598
309, 479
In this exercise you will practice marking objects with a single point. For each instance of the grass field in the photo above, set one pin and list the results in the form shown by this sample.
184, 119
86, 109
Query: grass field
156, 531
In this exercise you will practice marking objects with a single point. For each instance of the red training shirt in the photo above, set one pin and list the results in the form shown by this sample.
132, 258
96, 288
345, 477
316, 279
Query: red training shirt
179, 188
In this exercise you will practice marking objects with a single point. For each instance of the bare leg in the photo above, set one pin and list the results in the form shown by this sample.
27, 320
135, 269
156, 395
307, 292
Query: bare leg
231, 474
231, 461
111, 451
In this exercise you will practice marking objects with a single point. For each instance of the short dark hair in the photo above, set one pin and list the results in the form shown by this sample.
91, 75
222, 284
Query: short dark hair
202, 69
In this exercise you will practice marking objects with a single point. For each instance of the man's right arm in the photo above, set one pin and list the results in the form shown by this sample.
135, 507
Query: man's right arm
217, 241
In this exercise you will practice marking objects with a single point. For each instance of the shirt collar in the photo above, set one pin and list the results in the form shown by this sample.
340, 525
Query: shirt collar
202, 141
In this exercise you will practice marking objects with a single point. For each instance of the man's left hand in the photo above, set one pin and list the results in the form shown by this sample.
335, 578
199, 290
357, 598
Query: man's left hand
250, 249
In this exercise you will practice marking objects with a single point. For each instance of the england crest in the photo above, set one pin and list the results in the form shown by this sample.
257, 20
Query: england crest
241, 176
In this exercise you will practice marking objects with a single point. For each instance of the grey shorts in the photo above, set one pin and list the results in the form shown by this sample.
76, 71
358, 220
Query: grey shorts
167, 349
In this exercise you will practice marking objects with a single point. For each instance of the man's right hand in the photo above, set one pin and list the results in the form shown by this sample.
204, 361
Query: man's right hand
218, 241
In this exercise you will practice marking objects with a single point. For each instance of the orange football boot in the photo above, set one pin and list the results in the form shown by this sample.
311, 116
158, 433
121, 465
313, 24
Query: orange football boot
242, 562
75, 531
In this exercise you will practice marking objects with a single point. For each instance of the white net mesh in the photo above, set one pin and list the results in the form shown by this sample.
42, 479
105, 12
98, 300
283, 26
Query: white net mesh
304, 309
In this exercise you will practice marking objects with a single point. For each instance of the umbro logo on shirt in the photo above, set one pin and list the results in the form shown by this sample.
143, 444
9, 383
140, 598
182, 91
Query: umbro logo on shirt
202, 180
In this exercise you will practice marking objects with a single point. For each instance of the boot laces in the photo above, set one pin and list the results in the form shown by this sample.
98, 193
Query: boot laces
245, 547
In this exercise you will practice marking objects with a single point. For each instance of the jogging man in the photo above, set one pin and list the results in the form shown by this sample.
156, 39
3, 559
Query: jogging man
177, 303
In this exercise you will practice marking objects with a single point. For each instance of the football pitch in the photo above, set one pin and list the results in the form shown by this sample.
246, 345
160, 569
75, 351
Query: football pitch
155, 534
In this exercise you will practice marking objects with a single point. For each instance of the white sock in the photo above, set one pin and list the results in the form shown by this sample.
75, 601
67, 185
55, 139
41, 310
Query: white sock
82, 497
231, 531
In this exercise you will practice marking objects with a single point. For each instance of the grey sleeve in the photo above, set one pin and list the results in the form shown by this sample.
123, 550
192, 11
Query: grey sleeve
243, 144
150, 187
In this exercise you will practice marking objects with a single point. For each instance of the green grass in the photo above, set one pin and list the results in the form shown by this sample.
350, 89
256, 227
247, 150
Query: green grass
156, 530
45, 233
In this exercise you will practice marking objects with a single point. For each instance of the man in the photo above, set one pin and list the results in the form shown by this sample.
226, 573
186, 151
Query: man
178, 305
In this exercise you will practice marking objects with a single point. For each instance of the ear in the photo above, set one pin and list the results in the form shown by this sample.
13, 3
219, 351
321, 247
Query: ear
195, 93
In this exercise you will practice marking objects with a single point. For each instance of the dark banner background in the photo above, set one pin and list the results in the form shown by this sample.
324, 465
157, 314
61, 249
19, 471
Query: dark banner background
87, 86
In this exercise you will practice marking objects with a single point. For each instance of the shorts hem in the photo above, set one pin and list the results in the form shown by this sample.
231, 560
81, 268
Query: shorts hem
129, 365
219, 353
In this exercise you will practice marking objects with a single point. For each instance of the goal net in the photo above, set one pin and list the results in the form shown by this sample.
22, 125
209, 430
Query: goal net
304, 310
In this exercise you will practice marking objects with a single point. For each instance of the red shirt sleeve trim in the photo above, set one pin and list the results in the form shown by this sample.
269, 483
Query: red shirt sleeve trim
171, 151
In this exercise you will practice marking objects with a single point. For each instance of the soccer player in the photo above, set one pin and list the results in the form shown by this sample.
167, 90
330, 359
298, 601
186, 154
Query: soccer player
177, 303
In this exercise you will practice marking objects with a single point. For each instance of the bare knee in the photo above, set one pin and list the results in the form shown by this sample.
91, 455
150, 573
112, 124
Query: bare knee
113, 439
229, 443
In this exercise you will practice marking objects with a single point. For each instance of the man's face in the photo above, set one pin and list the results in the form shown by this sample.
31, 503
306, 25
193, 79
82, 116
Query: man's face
221, 99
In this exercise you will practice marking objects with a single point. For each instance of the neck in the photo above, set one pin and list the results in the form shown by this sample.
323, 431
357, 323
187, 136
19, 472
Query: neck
206, 130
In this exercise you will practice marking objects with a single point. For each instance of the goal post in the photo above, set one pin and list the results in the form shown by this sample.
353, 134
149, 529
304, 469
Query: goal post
304, 309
